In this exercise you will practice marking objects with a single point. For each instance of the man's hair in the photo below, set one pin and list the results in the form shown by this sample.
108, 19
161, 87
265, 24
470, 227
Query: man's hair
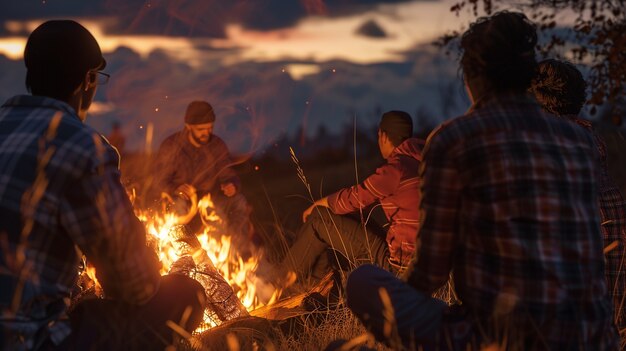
559, 87
58, 55
500, 50
398, 126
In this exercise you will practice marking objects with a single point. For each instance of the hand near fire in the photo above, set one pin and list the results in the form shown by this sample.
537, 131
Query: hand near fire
186, 191
321, 202
229, 189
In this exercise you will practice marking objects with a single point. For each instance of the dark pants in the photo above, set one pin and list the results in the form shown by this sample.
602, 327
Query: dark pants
346, 237
402, 318
113, 325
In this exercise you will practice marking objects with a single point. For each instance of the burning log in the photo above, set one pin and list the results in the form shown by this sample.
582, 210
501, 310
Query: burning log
222, 302
289, 317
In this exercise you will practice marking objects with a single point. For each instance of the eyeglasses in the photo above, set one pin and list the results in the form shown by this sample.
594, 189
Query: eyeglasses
99, 78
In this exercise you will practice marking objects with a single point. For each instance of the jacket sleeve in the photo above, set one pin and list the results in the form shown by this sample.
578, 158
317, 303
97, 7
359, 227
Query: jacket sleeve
440, 206
97, 214
378, 185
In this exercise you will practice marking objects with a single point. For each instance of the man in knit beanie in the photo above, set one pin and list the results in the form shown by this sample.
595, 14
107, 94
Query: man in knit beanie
193, 163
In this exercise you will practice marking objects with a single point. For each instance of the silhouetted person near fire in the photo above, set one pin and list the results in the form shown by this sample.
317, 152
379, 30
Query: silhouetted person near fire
394, 185
116, 137
195, 160
60, 194
510, 214
561, 89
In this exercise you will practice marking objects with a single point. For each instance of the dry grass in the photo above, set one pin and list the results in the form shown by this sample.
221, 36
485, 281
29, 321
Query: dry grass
335, 325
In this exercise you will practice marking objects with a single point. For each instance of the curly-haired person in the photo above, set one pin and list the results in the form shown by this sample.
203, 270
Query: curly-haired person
561, 89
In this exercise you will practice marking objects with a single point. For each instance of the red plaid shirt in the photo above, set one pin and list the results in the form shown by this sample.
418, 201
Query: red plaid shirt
509, 199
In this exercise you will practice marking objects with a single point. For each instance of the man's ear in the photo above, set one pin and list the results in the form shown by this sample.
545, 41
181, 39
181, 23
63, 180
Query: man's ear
88, 81
384, 137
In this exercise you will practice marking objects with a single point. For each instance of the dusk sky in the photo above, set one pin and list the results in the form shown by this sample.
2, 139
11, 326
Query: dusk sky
268, 67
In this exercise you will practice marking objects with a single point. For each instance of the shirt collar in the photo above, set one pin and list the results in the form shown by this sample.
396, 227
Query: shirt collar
503, 98
40, 102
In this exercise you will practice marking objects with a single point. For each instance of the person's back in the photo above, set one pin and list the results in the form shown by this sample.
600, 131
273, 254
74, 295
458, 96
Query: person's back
60, 197
45, 208
528, 262
561, 89
528, 221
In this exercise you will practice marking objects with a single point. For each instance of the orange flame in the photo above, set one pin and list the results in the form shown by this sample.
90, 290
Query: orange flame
239, 273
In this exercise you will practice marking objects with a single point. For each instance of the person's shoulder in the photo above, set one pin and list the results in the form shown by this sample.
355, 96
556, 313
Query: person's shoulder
452, 129
58, 124
409, 150
93, 144
216, 141
174, 140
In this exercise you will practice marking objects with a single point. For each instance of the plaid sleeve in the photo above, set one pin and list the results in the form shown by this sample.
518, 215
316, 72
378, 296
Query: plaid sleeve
378, 185
98, 215
441, 190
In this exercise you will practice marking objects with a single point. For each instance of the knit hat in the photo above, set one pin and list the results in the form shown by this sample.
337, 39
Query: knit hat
199, 112
397, 124
62, 47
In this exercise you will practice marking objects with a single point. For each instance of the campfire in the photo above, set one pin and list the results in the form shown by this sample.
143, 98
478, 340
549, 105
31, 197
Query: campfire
208, 257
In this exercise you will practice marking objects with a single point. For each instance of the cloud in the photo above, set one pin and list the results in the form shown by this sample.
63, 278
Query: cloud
190, 18
257, 102
371, 29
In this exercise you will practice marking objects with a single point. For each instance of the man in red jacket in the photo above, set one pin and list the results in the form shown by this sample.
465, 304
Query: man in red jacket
394, 185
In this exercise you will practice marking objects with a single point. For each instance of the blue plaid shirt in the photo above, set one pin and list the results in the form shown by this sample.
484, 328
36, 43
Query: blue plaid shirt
60, 194
509, 203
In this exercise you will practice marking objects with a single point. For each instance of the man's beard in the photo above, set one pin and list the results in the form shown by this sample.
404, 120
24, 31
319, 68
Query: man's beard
200, 141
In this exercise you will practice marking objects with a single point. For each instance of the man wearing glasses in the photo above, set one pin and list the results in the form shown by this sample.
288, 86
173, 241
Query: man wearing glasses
60, 196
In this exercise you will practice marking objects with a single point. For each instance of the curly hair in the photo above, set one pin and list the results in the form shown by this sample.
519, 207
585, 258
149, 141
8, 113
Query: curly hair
500, 49
559, 87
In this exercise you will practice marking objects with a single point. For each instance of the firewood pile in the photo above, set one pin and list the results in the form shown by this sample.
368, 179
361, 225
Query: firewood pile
222, 302
286, 317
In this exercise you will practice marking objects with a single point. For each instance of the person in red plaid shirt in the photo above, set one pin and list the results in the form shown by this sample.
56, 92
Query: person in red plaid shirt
61, 197
561, 89
509, 213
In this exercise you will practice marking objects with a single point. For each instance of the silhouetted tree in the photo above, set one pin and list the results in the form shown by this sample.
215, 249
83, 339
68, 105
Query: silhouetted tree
597, 38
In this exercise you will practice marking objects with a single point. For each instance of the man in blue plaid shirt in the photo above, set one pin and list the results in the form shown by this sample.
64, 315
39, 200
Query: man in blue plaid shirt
509, 213
60, 196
